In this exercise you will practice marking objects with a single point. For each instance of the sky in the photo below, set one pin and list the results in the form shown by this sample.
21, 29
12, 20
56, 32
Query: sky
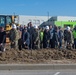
38, 7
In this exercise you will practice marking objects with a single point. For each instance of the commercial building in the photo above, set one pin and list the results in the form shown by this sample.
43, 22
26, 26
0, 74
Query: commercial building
39, 20
62, 21
36, 20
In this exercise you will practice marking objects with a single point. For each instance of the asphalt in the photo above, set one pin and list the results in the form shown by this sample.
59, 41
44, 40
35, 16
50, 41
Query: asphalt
37, 72
37, 66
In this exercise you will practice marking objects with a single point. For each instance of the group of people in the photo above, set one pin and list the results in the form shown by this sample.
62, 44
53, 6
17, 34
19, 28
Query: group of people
33, 37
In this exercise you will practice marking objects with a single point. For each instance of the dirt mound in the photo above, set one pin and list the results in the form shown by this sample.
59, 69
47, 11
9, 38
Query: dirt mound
37, 56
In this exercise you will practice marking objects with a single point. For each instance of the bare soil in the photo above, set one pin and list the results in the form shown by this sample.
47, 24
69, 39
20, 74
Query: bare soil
44, 56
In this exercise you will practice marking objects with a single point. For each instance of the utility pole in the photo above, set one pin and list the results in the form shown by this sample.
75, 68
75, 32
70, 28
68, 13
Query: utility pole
48, 17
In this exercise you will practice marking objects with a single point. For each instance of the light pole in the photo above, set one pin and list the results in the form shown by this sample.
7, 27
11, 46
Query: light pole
48, 17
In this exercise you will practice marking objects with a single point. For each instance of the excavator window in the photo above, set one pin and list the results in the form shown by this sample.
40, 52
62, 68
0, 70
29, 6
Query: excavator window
8, 20
2, 21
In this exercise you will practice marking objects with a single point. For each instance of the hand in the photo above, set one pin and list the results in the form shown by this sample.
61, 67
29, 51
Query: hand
34, 42
24, 42
1, 44
48, 41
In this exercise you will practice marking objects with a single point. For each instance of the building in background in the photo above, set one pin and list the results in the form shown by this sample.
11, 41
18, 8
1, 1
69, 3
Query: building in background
36, 20
62, 21
42, 21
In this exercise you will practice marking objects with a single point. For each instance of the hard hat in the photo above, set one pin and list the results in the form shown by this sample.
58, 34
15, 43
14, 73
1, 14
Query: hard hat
14, 26
47, 27
68, 28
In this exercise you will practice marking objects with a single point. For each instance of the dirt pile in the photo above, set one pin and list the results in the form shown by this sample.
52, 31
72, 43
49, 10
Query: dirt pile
38, 56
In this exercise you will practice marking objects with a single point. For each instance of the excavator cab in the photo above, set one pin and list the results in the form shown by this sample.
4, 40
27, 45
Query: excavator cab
6, 22
2, 21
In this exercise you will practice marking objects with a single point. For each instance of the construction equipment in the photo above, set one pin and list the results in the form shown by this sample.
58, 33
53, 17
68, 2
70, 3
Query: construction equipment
6, 22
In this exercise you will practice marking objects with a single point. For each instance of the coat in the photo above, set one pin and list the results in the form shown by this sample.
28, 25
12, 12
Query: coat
46, 38
3, 37
26, 38
68, 37
14, 35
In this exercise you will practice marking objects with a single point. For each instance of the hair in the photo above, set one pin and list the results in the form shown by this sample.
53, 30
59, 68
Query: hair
59, 27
